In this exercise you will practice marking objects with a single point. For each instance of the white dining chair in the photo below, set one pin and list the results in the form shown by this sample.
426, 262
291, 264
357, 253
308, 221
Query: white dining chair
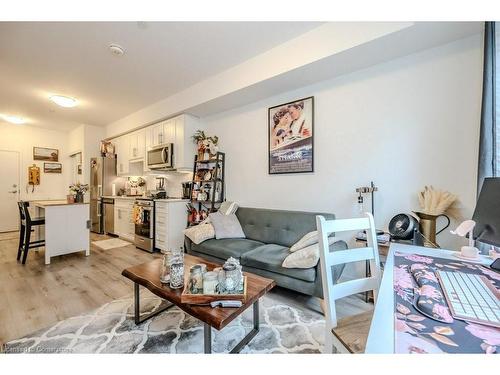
348, 334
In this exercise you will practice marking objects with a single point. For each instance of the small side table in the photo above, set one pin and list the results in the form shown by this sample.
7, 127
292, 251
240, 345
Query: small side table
383, 250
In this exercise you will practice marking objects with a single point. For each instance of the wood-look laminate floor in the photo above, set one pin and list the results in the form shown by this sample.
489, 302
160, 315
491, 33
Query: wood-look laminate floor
34, 296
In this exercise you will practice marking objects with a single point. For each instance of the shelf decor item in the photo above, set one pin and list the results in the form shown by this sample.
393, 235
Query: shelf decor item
291, 135
207, 146
207, 187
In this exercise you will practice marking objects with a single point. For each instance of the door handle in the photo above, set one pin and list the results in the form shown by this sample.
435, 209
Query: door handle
13, 191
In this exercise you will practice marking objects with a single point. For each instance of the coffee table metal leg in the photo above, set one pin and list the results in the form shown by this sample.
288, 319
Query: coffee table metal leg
207, 333
137, 307
207, 338
252, 333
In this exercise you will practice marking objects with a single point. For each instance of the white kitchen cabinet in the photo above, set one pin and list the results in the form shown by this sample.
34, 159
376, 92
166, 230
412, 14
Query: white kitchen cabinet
122, 155
158, 134
124, 224
170, 221
184, 147
137, 145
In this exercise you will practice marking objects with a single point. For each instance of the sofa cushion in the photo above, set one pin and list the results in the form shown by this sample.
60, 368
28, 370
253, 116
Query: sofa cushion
277, 226
270, 258
227, 247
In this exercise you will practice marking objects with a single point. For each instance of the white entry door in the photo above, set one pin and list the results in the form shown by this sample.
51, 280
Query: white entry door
9, 191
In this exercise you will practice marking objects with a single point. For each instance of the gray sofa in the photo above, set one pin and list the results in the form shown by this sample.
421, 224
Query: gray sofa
269, 234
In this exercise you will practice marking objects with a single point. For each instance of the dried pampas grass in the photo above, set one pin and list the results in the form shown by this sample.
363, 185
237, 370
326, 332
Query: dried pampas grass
436, 202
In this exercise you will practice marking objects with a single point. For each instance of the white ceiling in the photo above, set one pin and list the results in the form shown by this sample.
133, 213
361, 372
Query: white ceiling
38, 59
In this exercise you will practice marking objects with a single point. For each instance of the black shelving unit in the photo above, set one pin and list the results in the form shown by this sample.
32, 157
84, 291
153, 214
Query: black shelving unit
209, 182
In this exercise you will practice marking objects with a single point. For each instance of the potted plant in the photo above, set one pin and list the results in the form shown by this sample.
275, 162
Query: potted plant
205, 143
78, 190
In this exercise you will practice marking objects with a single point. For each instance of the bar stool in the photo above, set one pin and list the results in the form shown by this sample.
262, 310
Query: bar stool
26, 227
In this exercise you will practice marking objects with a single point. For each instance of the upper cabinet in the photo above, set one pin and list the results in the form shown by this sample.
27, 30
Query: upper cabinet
184, 147
133, 147
122, 155
137, 145
161, 133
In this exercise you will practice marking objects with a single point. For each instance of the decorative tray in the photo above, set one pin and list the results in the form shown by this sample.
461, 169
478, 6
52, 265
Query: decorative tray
204, 299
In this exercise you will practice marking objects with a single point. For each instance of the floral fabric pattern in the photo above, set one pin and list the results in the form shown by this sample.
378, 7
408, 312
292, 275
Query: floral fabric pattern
414, 281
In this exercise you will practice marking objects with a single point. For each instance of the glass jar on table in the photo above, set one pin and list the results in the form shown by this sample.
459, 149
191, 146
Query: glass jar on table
177, 270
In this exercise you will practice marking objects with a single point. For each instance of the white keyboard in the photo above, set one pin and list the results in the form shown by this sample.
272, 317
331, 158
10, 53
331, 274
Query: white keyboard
471, 297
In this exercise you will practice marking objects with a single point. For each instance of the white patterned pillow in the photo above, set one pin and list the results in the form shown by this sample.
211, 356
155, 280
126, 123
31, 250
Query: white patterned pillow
200, 233
308, 239
228, 208
306, 257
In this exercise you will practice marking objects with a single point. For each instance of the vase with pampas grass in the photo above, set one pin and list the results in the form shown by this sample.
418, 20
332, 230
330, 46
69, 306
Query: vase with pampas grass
434, 203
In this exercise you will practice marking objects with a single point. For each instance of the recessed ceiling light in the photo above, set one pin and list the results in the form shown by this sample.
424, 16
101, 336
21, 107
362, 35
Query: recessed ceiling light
116, 49
64, 101
13, 119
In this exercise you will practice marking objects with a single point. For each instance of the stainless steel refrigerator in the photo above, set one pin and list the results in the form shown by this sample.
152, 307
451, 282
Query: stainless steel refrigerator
102, 178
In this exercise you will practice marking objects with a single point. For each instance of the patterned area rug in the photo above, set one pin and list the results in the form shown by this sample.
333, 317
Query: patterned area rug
111, 329
110, 244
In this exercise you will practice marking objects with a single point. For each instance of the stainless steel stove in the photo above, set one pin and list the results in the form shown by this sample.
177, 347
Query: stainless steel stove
144, 227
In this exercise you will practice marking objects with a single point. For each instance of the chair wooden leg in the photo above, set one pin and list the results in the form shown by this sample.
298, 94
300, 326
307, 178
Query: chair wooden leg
328, 348
21, 242
27, 240
322, 304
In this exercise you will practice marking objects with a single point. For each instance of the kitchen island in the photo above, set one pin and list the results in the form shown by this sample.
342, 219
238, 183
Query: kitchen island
66, 227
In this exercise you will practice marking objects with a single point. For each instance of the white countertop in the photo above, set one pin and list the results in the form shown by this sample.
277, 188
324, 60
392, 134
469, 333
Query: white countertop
58, 202
120, 197
167, 200
172, 200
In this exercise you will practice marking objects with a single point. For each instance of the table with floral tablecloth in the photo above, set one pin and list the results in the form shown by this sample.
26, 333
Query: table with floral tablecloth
417, 333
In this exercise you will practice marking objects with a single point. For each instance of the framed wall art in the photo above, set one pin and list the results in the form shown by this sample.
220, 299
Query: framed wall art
46, 154
52, 167
291, 137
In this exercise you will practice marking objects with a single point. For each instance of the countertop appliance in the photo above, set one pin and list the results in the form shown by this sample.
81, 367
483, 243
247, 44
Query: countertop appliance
186, 190
102, 178
161, 157
108, 211
144, 226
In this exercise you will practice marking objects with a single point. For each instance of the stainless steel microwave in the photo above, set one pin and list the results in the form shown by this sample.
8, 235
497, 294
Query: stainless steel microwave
161, 157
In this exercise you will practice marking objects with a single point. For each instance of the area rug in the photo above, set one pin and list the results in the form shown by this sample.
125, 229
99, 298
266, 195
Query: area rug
111, 243
111, 329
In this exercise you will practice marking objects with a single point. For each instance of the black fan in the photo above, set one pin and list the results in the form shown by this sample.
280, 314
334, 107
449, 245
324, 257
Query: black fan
402, 226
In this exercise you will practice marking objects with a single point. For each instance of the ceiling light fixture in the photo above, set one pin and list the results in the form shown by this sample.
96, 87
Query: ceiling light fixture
116, 49
13, 119
64, 101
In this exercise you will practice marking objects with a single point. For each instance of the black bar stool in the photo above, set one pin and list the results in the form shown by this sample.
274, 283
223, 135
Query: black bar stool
27, 224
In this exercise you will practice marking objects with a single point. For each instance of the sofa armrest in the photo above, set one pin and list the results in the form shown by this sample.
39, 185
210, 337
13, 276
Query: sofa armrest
187, 245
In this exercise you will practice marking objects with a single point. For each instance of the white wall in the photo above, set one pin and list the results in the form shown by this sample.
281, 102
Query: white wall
22, 139
403, 124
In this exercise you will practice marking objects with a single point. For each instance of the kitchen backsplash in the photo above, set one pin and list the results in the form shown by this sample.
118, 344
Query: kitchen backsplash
173, 182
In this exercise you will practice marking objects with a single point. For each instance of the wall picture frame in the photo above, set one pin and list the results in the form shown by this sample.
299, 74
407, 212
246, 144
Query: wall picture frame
291, 137
52, 167
45, 154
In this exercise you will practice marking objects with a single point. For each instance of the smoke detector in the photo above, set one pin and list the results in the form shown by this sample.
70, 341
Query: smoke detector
116, 49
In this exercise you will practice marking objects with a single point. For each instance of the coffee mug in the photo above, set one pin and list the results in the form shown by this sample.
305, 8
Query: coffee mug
469, 251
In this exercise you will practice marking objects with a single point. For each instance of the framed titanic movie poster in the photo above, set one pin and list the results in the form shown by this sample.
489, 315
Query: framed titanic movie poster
291, 137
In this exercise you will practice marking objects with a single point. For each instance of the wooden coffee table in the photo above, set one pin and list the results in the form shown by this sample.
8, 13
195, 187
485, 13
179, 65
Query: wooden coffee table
148, 275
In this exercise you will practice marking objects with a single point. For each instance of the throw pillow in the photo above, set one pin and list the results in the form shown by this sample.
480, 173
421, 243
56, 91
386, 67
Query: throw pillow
228, 208
226, 226
307, 240
200, 233
306, 257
